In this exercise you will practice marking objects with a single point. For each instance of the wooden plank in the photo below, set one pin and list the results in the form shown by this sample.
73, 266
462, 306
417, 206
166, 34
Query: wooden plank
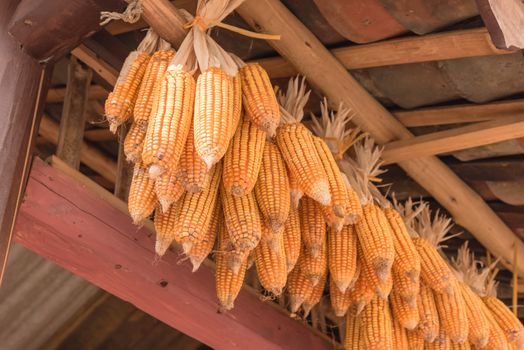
57, 95
89, 155
413, 49
505, 20
467, 113
99, 135
47, 30
72, 122
456, 139
100, 67
72, 226
23, 86
328, 75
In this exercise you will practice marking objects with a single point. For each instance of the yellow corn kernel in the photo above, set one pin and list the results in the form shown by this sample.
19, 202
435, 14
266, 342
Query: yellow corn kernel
400, 337
294, 189
434, 271
134, 142
342, 256
169, 125
121, 101
463, 346
354, 205
292, 239
478, 333
196, 209
407, 315
242, 219
192, 172
272, 188
353, 339
334, 222
315, 296
142, 199
296, 144
201, 249
168, 190
237, 103
243, 159
375, 238
228, 283
497, 337
312, 226
299, 287
376, 325
429, 320
213, 120
314, 267
259, 98
340, 301
507, 321
415, 340
271, 263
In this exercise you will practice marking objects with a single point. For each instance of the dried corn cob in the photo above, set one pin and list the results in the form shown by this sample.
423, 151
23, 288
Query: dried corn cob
272, 188
271, 263
497, 338
168, 190
353, 339
121, 101
228, 282
165, 226
441, 342
354, 205
314, 267
237, 103
415, 340
169, 125
478, 333
201, 249
134, 142
361, 293
429, 320
142, 199
407, 315
259, 98
292, 239
243, 159
294, 190
435, 272
381, 288
342, 256
242, 220
299, 287
192, 172
213, 120
340, 301
315, 296
376, 325
312, 226
376, 240
507, 321
400, 337
196, 209
453, 318
463, 346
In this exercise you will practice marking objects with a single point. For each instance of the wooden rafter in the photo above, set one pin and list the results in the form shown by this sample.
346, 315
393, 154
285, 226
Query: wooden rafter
56, 95
301, 48
103, 69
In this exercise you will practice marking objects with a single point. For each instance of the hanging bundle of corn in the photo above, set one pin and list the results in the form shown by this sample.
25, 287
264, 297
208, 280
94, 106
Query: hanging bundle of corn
292, 238
156, 68
353, 339
270, 262
297, 146
120, 102
342, 257
376, 325
333, 141
272, 188
192, 171
243, 158
142, 199
312, 227
168, 190
201, 249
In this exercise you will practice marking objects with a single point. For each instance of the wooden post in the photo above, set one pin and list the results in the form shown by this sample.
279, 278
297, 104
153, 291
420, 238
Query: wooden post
23, 86
72, 123
124, 170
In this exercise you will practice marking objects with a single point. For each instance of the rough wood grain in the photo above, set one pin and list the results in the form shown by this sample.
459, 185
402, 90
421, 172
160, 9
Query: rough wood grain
57, 95
328, 75
72, 226
166, 20
124, 169
100, 67
505, 20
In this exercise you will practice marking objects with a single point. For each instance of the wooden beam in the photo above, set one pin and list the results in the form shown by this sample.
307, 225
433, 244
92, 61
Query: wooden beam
326, 73
56, 95
505, 20
100, 67
473, 135
47, 30
432, 47
124, 168
166, 20
64, 221
99, 135
89, 155
72, 122
468, 113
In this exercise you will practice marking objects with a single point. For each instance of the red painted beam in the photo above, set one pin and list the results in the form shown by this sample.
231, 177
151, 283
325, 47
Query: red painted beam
74, 227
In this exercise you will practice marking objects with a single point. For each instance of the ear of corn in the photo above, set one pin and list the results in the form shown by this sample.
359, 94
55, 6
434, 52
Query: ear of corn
168, 190
354, 206
312, 226
340, 301
406, 314
196, 210
259, 98
441, 342
509, 323
434, 271
342, 256
296, 144
497, 338
228, 283
314, 267
242, 220
415, 340
237, 103
294, 189
400, 337
121, 101
169, 125
315, 296
353, 339
272, 188
192, 172
429, 321
299, 287
382, 288
165, 226
361, 294
463, 346
243, 159
213, 120
271, 263
292, 239
376, 325
134, 142
201, 249
478, 333
453, 318
375, 237
142, 199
